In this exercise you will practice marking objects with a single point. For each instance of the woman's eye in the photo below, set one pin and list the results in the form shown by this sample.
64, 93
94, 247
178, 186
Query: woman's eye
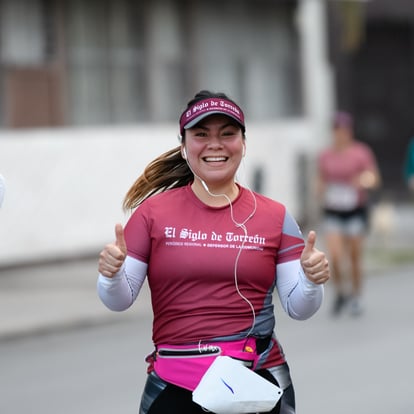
229, 133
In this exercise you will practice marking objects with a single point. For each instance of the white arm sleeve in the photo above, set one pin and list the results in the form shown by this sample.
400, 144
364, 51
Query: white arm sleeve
300, 298
119, 292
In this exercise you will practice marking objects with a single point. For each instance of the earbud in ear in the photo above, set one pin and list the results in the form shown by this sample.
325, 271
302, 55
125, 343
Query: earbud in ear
184, 153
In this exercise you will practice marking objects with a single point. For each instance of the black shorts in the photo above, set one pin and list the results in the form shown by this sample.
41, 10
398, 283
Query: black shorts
351, 223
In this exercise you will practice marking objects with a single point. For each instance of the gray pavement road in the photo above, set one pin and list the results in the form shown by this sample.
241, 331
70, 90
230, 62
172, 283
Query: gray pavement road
62, 352
357, 365
94, 369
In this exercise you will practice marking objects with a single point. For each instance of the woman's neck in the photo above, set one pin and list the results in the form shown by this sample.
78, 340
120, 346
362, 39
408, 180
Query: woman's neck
215, 196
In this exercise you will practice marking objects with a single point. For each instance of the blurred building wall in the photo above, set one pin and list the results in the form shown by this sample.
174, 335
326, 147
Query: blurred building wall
64, 187
114, 62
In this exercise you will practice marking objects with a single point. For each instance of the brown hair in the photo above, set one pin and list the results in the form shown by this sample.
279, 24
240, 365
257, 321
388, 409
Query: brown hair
169, 170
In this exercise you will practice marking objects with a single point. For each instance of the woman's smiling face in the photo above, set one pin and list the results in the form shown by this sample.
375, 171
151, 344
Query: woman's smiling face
214, 148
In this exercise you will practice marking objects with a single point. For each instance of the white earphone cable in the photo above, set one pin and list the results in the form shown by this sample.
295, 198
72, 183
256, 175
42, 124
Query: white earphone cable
242, 225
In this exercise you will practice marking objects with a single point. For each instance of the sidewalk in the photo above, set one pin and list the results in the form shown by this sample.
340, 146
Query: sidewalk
51, 297
59, 296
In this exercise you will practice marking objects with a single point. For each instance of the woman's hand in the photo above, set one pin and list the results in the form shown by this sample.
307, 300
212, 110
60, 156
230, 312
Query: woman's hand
113, 255
314, 262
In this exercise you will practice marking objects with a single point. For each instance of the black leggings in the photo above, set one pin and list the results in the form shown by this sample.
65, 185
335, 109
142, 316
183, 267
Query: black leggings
163, 398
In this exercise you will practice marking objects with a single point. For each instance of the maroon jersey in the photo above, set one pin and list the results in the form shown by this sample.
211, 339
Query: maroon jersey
191, 252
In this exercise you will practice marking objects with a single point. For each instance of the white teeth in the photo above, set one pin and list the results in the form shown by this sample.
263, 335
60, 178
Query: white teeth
215, 158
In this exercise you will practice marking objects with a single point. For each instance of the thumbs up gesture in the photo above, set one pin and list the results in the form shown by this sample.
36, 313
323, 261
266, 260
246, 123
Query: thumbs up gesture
313, 261
113, 255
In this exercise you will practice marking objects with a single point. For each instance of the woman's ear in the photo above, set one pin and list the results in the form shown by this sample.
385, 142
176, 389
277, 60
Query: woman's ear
184, 153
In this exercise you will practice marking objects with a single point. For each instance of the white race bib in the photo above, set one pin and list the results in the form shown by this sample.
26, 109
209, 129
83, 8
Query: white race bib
342, 197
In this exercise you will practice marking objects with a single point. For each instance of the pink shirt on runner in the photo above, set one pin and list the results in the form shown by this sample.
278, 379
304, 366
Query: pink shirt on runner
191, 251
339, 170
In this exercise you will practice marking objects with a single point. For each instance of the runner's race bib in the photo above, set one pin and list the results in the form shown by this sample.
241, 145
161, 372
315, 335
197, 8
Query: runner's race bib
341, 197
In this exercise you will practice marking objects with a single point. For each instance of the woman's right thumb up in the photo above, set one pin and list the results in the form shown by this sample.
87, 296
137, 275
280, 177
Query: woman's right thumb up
120, 238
